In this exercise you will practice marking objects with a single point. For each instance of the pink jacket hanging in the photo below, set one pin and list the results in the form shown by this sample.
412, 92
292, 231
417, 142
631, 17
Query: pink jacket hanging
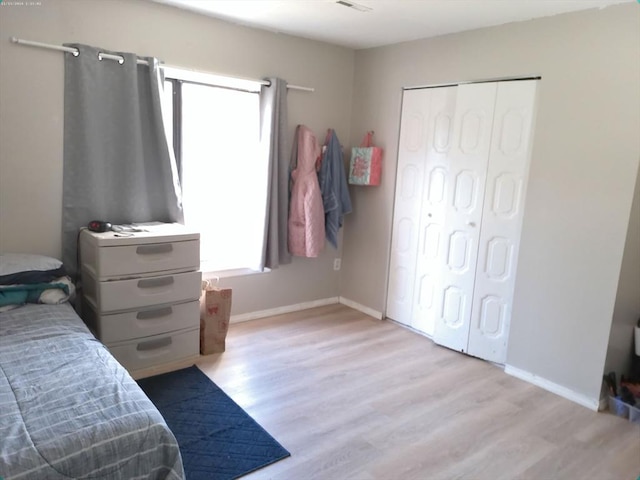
306, 213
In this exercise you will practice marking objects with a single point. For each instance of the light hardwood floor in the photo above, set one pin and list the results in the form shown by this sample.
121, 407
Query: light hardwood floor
356, 398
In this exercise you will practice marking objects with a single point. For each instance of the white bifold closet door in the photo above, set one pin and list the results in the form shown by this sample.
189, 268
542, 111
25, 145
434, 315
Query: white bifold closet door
462, 167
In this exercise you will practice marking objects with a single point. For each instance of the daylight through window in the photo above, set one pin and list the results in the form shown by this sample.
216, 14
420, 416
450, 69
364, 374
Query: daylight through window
223, 175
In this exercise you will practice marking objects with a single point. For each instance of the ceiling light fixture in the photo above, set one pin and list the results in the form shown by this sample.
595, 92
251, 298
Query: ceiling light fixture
355, 6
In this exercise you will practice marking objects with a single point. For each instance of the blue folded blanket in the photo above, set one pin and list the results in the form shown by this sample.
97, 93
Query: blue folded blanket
21, 294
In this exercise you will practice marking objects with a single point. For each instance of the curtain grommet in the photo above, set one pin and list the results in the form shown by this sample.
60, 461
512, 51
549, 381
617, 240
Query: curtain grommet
76, 53
121, 61
99, 56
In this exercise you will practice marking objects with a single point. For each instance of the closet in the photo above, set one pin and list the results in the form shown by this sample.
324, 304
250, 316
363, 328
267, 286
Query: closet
463, 161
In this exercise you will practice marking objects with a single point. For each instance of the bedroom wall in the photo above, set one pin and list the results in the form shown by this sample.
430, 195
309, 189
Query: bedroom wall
31, 112
583, 170
627, 307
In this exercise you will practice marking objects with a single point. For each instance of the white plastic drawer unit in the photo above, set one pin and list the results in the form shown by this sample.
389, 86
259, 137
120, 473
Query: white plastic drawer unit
159, 349
120, 295
146, 322
141, 293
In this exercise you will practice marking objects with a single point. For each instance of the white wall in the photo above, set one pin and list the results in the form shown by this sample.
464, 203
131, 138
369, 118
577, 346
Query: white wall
627, 307
583, 170
31, 112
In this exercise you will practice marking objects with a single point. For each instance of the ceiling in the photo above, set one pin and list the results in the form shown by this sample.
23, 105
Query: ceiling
385, 22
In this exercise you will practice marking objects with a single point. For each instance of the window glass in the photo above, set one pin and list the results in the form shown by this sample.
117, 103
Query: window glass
224, 177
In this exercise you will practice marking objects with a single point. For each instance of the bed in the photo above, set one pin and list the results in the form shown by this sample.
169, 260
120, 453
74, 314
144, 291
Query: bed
68, 409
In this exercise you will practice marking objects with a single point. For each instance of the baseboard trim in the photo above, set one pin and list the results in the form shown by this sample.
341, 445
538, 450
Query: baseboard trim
245, 317
603, 404
552, 387
361, 308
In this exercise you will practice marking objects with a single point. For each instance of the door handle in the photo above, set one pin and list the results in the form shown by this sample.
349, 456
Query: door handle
155, 282
154, 249
154, 344
151, 314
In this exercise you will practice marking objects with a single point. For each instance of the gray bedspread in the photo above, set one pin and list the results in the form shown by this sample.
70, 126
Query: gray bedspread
69, 410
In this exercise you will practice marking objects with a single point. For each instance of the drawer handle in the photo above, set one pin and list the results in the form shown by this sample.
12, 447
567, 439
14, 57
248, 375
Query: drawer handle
155, 282
150, 314
154, 249
154, 344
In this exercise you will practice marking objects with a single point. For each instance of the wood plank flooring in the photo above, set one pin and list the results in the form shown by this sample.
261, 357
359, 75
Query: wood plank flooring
356, 398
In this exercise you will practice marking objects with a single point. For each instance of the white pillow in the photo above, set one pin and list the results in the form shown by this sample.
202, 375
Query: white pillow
23, 262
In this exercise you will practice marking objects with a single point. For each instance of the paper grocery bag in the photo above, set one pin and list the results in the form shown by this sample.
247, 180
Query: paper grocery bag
215, 311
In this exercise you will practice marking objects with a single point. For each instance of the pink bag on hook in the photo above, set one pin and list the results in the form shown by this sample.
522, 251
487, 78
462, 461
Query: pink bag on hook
366, 163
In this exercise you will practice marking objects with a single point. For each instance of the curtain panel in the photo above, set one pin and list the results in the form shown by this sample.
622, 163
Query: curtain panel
273, 136
118, 165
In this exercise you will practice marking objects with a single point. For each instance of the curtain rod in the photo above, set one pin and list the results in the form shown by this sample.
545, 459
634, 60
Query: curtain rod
119, 59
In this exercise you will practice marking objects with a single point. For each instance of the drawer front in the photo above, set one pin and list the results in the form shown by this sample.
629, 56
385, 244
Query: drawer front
118, 327
120, 295
128, 260
157, 350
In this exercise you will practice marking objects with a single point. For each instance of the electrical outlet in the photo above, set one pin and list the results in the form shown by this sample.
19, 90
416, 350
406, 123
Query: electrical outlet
337, 263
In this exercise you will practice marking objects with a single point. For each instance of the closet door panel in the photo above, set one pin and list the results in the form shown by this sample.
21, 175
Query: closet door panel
502, 219
431, 247
466, 173
462, 169
408, 200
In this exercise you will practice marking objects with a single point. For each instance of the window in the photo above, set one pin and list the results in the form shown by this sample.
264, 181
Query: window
216, 132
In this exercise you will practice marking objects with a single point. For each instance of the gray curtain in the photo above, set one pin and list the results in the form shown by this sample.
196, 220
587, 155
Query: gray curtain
118, 166
273, 132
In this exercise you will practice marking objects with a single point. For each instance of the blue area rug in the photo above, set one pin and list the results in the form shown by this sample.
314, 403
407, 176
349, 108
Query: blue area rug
217, 438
